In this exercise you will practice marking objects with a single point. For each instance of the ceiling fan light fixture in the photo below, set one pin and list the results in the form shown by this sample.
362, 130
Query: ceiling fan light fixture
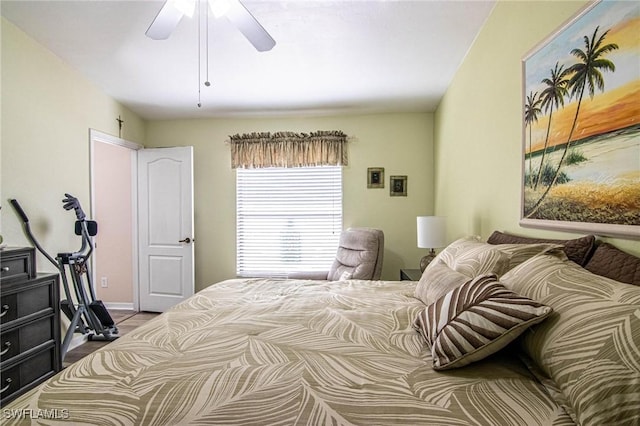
187, 7
172, 12
219, 8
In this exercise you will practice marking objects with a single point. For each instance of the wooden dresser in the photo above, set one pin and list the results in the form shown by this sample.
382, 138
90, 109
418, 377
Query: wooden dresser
29, 323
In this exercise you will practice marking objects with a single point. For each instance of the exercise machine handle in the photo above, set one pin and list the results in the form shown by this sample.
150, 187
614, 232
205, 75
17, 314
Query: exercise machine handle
19, 211
72, 202
27, 230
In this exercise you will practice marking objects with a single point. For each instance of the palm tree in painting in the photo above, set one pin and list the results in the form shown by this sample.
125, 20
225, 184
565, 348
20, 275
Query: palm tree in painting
531, 113
552, 97
585, 74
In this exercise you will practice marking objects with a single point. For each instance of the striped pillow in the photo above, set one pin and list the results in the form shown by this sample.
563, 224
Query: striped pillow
476, 320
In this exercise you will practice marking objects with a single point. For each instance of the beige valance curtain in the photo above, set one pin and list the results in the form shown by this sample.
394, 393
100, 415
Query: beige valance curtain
289, 149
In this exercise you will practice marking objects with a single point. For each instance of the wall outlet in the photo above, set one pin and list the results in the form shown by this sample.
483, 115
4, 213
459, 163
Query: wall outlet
104, 283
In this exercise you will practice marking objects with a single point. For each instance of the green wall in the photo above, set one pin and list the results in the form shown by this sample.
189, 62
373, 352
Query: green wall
478, 142
47, 110
473, 141
401, 143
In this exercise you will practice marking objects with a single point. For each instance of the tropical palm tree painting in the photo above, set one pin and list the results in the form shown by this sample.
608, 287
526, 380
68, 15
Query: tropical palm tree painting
581, 124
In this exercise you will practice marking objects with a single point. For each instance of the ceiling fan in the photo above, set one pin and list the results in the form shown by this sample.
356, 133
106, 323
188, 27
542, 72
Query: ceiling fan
172, 12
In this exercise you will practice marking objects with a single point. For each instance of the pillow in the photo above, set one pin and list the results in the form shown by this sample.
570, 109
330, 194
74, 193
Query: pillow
590, 345
437, 281
613, 263
472, 257
577, 250
474, 321
519, 253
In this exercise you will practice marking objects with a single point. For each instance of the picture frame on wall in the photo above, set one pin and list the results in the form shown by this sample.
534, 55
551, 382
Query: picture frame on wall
375, 177
581, 125
398, 186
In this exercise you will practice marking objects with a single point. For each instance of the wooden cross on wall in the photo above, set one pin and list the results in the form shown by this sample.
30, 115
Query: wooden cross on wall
120, 122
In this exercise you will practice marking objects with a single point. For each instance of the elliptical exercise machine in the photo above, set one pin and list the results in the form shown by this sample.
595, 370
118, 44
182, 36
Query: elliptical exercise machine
89, 315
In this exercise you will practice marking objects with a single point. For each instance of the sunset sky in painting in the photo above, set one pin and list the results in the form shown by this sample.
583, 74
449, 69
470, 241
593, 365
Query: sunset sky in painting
619, 105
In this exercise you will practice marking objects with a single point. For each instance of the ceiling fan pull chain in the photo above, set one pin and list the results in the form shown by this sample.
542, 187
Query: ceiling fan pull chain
199, 55
206, 54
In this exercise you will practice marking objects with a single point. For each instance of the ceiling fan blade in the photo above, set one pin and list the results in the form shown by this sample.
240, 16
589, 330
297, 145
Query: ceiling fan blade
165, 22
249, 26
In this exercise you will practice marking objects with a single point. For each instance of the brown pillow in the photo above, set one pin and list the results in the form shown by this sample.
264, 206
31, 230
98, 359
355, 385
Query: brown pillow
577, 250
611, 262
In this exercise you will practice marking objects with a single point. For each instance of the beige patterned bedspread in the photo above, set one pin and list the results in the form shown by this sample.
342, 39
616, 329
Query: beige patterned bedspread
270, 352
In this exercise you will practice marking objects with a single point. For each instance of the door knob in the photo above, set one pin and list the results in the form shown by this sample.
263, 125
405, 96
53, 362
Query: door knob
186, 240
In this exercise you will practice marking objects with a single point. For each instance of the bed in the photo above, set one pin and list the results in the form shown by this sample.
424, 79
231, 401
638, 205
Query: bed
303, 352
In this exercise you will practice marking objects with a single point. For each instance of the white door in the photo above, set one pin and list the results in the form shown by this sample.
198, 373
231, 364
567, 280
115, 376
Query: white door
165, 224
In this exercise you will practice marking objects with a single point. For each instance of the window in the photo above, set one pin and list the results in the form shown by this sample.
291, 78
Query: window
288, 219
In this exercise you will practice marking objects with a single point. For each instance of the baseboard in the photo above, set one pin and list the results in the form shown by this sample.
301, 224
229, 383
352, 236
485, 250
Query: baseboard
119, 306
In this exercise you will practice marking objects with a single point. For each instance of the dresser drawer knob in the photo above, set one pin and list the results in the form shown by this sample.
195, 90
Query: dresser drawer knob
8, 382
5, 309
5, 269
7, 346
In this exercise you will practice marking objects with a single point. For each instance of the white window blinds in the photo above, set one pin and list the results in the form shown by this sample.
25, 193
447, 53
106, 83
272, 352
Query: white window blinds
288, 219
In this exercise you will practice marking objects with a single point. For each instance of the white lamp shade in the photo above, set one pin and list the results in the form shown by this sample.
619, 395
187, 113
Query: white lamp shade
431, 231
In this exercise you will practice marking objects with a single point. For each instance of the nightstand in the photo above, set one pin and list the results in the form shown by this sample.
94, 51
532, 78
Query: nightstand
410, 274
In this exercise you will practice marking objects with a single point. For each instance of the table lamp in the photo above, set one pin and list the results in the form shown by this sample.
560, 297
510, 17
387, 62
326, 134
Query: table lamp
431, 235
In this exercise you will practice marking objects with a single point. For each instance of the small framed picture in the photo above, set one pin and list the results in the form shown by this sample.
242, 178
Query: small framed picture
398, 186
375, 177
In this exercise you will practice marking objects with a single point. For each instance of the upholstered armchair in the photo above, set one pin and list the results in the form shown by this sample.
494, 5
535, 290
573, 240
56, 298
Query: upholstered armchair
359, 256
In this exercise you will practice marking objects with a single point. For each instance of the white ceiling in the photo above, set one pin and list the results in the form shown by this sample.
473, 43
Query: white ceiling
330, 57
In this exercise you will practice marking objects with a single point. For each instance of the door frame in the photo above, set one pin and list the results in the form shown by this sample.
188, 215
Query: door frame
96, 136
